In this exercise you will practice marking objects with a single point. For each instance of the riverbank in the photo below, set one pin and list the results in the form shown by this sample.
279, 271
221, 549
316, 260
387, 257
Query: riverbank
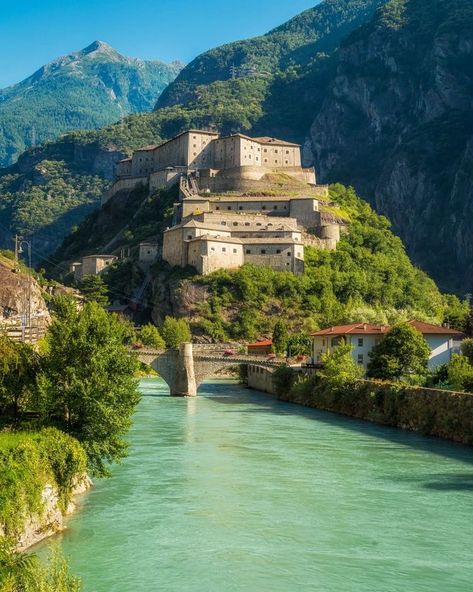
40, 475
431, 412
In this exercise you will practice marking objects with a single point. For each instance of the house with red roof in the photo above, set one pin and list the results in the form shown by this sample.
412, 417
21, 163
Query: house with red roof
262, 347
363, 337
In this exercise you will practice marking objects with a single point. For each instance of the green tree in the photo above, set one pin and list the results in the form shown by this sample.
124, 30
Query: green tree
151, 337
460, 373
86, 384
18, 366
94, 289
467, 349
340, 369
402, 352
175, 331
280, 337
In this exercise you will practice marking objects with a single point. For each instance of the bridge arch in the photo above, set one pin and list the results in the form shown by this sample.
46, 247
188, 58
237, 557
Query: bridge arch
184, 370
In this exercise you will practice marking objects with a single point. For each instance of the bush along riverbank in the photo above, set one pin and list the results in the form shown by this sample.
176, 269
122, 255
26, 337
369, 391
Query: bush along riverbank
65, 408
432, 412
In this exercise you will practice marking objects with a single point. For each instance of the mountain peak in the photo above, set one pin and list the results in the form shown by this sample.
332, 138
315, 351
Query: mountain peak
98, 46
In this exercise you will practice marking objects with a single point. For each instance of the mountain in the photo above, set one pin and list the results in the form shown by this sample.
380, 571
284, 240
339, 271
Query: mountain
397, 123
83, 90
256, 83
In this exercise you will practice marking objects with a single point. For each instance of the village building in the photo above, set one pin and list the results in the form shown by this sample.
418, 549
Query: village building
149, 253
260, 348
92, 265
363, 337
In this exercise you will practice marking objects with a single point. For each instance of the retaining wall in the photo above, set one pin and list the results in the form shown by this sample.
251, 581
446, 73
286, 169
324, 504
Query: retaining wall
432, 412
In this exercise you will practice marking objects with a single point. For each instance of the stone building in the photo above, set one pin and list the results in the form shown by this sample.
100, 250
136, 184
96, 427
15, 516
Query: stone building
214, 156
209, 247
149, 252
92, 265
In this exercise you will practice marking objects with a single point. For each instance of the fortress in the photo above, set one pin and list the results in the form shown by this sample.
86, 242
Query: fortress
241, 200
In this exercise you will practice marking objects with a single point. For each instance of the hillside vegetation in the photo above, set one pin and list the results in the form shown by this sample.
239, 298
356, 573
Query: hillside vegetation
369, 278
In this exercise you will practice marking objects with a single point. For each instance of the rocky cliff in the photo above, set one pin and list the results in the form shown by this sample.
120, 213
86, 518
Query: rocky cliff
14, 290
397, 122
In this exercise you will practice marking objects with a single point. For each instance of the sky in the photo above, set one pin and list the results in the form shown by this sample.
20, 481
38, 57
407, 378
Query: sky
34, 32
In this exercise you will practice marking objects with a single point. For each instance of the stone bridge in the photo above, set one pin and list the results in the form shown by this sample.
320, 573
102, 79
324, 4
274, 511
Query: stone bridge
184, 370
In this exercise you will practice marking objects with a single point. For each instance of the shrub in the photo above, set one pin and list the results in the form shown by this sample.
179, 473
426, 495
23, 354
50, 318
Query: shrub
175, 332
151, 337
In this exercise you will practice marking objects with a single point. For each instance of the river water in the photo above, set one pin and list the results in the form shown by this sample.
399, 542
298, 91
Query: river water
235, 492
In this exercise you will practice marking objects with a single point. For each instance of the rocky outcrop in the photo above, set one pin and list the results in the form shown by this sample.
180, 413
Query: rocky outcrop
14, 291
397, 124
41, 526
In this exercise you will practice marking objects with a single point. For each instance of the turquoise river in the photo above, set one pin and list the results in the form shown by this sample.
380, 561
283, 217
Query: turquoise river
236, 492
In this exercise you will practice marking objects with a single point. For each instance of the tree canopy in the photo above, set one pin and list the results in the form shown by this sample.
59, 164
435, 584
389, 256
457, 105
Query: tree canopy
87, 385
403, 352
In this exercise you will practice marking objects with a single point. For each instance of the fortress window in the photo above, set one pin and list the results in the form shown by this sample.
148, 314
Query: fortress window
288, 253
235, 223
265, 150
248, 251
217, 208
287, 162
285, 207
275, 152
189, 237
263, 251
229, 207
223, 223
234, 250
263, 208
287, 151
247, 223
240, 207
278, 251
258, 223
212, 248
275, 207
265, 160
224, 250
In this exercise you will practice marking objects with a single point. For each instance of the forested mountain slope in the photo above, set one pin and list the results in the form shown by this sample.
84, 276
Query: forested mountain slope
83, 90
397, 122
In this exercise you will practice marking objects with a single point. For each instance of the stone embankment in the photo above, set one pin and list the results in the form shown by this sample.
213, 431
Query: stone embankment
50, 521
432, 412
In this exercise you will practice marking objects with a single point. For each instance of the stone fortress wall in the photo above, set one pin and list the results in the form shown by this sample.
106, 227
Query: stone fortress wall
242, 200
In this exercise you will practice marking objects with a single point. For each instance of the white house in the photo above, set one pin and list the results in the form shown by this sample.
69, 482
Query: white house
363, 337
441, 342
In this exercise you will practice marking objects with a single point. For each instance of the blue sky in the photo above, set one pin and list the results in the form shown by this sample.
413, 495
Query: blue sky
34, 32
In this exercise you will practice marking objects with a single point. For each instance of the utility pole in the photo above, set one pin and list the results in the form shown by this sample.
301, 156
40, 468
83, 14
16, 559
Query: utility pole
19, 242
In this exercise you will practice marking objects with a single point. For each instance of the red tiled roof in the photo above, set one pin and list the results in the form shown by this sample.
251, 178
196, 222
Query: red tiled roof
367, 329
354, 329
428, 329
267, 342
